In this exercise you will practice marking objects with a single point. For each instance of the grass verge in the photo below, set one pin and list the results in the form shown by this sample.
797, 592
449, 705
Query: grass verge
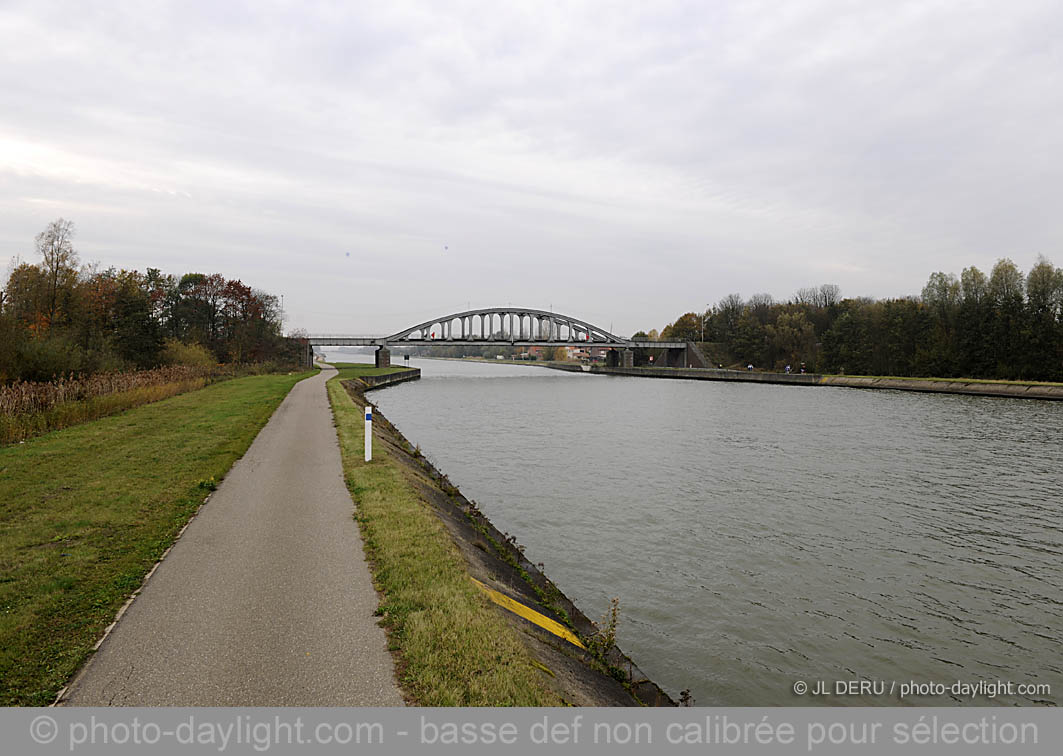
453, 648
86, 511
357, 369
945, 380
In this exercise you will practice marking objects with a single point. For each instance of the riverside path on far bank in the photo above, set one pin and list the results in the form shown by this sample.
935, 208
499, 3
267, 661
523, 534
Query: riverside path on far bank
265, 599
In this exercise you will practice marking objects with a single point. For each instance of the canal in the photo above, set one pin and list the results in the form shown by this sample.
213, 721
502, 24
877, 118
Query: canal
760, 536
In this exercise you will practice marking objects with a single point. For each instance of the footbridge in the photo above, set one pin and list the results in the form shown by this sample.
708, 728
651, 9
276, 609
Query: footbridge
515, 326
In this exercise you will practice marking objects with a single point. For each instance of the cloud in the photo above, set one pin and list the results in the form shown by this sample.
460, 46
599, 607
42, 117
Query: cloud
635, 161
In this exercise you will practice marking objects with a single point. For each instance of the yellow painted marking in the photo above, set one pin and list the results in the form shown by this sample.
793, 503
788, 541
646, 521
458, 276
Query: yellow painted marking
531, 615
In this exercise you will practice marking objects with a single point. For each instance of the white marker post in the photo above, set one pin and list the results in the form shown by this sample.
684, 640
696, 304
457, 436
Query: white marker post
368, 432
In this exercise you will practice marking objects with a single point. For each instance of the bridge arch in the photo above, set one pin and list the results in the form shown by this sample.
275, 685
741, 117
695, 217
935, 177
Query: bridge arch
513, 326
506, 325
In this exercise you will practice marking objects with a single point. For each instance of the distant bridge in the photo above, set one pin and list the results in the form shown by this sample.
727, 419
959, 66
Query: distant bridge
509, 326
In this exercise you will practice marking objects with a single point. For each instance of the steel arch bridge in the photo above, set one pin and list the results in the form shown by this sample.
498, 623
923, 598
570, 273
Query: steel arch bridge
504, 326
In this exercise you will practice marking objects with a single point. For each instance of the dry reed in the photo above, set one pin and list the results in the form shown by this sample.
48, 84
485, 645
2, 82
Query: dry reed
28, 409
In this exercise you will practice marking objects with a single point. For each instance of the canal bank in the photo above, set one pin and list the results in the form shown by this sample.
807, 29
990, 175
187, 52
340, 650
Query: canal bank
761, 535
560, 651
1013, 390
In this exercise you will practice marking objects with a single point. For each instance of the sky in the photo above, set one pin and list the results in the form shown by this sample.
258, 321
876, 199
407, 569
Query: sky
382, 163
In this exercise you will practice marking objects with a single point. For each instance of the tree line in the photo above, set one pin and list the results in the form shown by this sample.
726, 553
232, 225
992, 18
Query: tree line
1004, 325
58, 317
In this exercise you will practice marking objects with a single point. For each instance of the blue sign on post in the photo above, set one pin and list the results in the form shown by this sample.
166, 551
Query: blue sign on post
368, 433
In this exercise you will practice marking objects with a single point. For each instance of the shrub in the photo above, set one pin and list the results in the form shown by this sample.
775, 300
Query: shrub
44, 359
179, 353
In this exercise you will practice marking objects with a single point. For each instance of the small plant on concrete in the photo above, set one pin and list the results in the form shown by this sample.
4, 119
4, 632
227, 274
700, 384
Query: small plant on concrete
512, 541
604, 641
447, 487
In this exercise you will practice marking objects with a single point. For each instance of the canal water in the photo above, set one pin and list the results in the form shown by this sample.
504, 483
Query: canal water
761, 536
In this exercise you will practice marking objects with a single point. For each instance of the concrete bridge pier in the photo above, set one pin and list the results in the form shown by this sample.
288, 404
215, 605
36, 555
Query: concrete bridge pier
675, 357
620, 358
383, 357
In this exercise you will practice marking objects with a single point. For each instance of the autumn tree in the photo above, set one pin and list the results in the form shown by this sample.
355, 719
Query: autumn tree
60, 261
686, 328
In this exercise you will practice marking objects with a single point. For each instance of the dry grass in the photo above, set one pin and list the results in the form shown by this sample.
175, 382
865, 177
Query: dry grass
29, 409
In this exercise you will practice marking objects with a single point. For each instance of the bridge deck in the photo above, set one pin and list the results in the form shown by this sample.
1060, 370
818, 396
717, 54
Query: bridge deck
382, 341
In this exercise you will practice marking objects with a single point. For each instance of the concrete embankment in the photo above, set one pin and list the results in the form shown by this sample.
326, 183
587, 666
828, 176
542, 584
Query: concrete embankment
975, 388
523, 594
390, 379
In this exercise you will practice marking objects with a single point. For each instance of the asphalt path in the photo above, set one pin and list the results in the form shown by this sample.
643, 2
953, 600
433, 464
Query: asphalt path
266, 598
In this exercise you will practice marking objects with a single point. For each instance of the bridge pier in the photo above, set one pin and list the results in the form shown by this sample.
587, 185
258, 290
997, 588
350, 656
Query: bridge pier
675, 357
629, 358
383, 357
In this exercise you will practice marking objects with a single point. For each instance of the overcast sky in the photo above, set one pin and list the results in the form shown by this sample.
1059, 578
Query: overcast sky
381, 163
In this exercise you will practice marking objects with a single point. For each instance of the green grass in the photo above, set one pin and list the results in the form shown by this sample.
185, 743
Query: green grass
945, 380
454, 649
86, 511
357, 369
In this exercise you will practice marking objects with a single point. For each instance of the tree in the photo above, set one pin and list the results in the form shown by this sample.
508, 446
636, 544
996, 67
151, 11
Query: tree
847, 346
761, 307
725, 319
792, 337
750, 339
55, 246
1044, 334
686, 328
942, 296
137, 334
973, 326
27, 296
560, 353
1044, 287
822, 296
1006, 294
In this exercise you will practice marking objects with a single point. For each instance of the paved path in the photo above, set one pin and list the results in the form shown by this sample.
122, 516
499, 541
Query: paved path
266, 599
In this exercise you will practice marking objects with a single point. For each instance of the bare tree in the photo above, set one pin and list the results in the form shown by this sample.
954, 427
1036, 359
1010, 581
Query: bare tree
824, 296
54, 244
806, 296
829, 295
